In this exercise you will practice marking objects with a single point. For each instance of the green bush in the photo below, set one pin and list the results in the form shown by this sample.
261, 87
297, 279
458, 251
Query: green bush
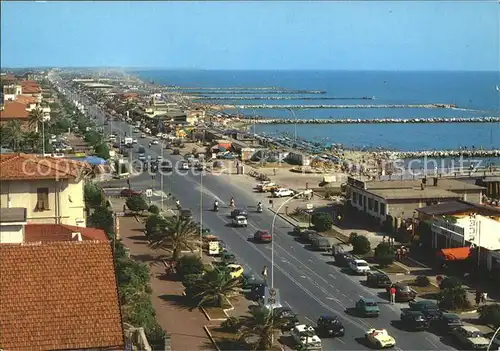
449, 283
137, 203
102, 151
231, 325
101, 218
93, 195
454, 298
360, 245
384, 254
154, 209
490, 315
423, 281
322, 221
155, 224
352, 236
189, 265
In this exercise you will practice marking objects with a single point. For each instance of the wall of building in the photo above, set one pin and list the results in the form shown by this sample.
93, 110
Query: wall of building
65, 200
11, 234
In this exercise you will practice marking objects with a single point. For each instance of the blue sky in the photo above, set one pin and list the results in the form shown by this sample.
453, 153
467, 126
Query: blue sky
398, 35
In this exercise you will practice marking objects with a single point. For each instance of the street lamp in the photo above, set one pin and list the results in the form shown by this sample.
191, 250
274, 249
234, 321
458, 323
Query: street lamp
493, 339
272, 233
201, 213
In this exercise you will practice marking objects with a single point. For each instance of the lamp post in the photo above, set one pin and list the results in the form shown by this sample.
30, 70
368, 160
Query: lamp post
201, 213
161, 176
294, 125
497, 332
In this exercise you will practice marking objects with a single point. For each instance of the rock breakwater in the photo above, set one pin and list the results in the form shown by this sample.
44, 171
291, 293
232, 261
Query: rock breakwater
323, 106
205, 97
446, 153
387, 120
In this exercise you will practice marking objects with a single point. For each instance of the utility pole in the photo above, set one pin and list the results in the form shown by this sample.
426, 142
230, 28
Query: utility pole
161, 176
201, 214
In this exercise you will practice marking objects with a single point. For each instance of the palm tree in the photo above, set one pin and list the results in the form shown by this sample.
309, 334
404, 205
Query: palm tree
260, 326
36, 118
216, 287
14, 134
179, 234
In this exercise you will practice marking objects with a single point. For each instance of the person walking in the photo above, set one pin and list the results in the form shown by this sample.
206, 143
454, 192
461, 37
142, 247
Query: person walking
264, 272
484, 298
478, 298
392, 292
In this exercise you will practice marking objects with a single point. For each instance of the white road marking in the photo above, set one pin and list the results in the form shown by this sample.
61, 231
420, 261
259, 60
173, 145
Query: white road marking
309, 320
332, 276
339, 339
430, 342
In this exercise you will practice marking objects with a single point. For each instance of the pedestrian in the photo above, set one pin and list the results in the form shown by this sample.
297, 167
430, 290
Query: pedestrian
392, 292
484, 298
271, 203
398, 254
124, 208
264, 272
274, 171
478, 298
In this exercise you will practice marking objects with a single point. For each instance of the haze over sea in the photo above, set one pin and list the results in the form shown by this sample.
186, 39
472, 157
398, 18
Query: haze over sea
473, 92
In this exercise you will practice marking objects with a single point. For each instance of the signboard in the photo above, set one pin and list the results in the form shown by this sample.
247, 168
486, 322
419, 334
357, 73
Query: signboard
120, 214
472, 228
356, 183
272, 297
149, 192
213, 248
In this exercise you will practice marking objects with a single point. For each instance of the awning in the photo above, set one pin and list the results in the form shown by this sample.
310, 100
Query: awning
454, 254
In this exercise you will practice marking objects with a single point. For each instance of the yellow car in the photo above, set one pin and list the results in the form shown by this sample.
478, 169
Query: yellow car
235, 270
380, 338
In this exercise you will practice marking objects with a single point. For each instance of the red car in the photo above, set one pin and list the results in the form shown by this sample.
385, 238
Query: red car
129, 193
262, 236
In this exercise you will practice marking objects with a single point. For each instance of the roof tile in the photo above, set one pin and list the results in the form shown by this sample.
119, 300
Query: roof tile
14, 110
59, 296
60, 232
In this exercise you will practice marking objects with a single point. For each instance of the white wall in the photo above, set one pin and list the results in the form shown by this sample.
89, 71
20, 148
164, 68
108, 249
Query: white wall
484, 232
11, 234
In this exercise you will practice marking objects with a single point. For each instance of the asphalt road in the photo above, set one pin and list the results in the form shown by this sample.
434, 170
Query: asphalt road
307, 280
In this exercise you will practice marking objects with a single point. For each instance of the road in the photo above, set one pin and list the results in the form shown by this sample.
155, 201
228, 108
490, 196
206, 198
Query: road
307, 281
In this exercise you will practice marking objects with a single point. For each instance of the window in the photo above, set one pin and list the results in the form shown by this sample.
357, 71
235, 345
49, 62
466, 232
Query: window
360, 199
370, 204
42, 199
354, 196
375, 206
382, 209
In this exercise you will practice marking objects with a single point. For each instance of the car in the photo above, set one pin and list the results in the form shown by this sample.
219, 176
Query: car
308, 235
377, 280
228, 258
250, 280
185, 214
134, 141
379, 338
305, 336
235, 270
166, 166
262, 236
343, 259
240, 221
495, 343
446, 322
403, 292
176, 152
470, 337
367, 307
159, 158
282, 192
320, 243
143, 135
239, 212
359, 266
155, 142
330, 326
266, 186
423, 306
130, 193
414, 319
287, 316
184, 166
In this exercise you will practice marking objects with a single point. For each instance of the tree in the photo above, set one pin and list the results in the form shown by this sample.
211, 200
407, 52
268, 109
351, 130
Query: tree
102, 151
322, 221
155, 224
36, 118
260, 325
91, 137
153, 209
360, 245
384, 254
490, 315
14, 134
454, 298
179, 234
101, 218
215, 289
93, 195
137, 203
189, 265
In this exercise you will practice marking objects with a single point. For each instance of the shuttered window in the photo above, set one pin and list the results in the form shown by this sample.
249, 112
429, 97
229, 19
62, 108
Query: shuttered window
42, 199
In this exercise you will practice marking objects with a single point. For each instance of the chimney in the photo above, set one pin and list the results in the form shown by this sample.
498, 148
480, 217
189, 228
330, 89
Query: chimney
435, 181
76, 236
422, 186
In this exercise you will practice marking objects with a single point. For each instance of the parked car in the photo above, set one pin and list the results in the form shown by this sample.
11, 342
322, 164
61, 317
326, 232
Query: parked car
184, 166
228, 258
155, 142
305, 336
130, 193
320, 243
251, 280
359, 266
446, 323
235, 270
367, 308
143, 135
343, 259
308, 235
240, 221
185, 214
423, 305
470, 337
266, 187
282, 192
239, 212
403, 292
330, 326
377, 280
166, 166
414, 319
289, 318
262, 236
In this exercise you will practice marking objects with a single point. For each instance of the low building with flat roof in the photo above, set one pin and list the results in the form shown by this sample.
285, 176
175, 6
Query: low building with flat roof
400, 198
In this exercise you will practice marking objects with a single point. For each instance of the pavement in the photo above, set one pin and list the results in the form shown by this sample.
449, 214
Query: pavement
308, 281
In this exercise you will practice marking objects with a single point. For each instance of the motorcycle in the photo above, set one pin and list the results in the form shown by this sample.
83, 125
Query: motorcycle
216, 208
259, 209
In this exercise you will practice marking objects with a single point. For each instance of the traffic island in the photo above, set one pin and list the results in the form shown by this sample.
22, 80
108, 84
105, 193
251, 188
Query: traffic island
224, 340
429, 292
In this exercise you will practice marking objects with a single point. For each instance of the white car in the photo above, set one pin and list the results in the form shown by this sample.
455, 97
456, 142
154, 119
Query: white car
240, 221
134, 141
305, 335
359, 266
380, 338
155, 142
143, 135
282, 192
184, 166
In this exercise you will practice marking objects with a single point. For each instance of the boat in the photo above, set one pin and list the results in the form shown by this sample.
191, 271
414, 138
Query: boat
498, 88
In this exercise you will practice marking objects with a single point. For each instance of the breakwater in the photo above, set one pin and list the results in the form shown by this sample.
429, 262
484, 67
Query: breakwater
264, 106
174, 87
446, 153
414, 120
204, 97
253, 92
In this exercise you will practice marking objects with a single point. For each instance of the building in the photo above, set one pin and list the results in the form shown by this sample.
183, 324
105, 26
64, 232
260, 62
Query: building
59, 296
492, 185
400, 198
16, 111
50, 189
458, 208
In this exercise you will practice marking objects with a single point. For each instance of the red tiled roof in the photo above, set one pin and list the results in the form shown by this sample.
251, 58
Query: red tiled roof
59, 296
24, 166
14, 110
60, 232
30, 87
26, 99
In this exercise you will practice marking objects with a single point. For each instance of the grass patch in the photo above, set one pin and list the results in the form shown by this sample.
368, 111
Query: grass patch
300, 217
215, 312
421, 290
392, 269
335, 234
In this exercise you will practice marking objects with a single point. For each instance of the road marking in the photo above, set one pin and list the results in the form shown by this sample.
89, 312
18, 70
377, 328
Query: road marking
309, 320
430, 342
339, 339
310, 260
331, 276
287, 304
330, 298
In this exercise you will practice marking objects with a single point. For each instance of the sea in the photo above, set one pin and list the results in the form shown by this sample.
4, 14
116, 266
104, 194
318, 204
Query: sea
473, 93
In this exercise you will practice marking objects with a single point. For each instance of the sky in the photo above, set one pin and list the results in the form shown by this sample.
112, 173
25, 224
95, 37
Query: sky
358, 35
